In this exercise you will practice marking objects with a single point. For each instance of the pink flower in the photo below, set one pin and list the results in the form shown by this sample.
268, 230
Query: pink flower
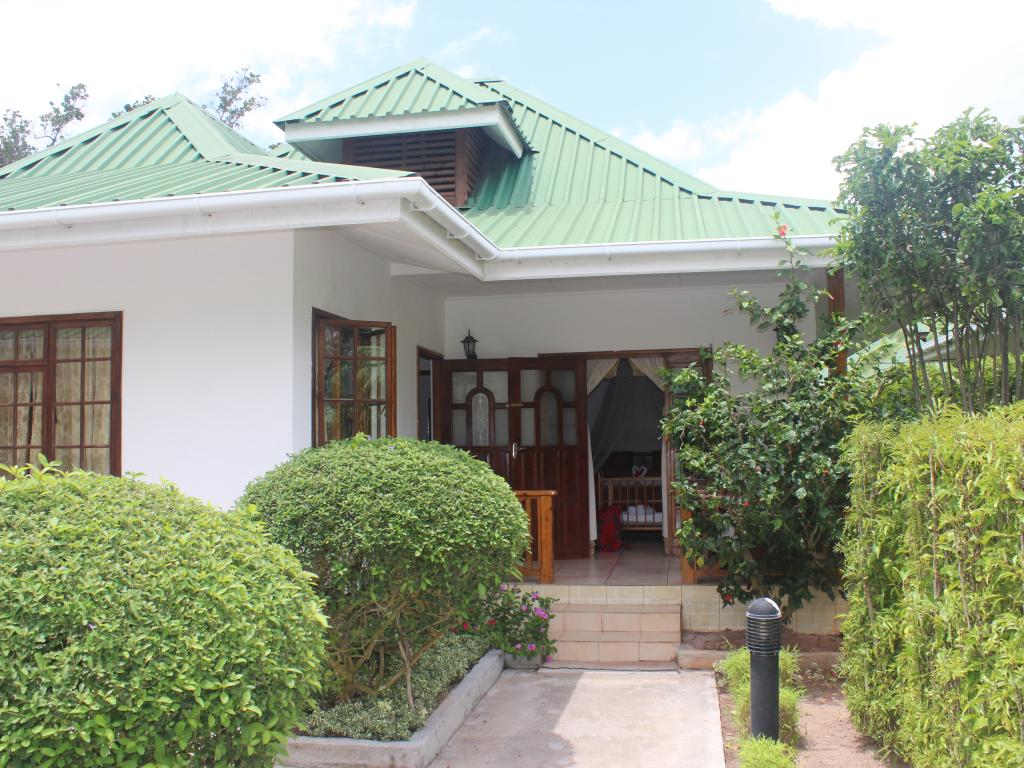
783, 229
504, 587
518, 646
540, 612
531, 647
465, 625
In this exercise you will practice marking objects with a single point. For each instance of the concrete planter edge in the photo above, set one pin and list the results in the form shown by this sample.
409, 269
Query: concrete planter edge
418, 751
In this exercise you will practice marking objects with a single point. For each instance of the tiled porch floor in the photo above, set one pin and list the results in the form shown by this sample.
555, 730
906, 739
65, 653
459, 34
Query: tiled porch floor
644, 564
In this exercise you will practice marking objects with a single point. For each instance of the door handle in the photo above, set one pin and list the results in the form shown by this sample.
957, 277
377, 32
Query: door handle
515, 449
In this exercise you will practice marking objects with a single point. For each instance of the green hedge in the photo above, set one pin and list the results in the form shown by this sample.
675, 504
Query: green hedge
140, 627
933, 643
405, 538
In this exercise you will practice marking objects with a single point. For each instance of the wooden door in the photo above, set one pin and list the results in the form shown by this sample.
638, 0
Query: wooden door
526, 417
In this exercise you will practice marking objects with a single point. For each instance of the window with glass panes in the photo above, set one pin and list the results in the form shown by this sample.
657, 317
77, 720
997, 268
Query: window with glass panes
354, 380
60, 382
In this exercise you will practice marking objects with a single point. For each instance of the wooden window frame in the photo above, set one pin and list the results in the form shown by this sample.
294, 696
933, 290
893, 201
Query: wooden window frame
320, 320
51, 324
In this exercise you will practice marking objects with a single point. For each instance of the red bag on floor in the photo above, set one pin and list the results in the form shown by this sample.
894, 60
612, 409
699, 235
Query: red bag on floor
609, 523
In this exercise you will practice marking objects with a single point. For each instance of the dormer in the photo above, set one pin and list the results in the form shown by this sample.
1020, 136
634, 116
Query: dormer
418, 118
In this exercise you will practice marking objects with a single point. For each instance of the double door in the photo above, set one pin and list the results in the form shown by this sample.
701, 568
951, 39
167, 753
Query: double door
527, 418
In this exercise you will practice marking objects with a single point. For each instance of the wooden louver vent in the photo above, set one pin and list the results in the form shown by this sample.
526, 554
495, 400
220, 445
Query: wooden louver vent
450, 161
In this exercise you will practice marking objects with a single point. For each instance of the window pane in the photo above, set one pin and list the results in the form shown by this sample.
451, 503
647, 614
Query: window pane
6, 428
338, 421
97, 425
29, 425
30, 345
7, 456
337, 341
7, 345
97, 341
338, 378
459, 426
96, 460
526, 436
69, 425
6, 388
371, 380
497, 383
69, 382
481, 410
529, 382
565, 382
69, 458
501, 426
373, 418
548, 409
97, 380
569, 426
372, 342
463, 382
30, 387
69, 344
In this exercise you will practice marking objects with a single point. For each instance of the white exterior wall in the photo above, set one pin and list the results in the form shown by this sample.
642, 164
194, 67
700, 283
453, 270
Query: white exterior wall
337, 275
590, 321
204, 402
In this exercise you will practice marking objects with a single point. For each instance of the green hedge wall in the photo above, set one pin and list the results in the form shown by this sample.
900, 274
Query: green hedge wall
933, 643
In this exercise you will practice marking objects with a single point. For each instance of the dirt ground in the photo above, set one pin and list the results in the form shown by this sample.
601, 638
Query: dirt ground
734, 638
828, 738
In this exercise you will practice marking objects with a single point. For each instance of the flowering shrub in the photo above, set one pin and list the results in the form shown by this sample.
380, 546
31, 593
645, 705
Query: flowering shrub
517, 622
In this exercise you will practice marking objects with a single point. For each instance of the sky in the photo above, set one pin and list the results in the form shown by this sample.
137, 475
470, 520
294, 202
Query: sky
748, 95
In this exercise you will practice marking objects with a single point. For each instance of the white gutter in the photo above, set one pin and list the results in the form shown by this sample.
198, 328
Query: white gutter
380, 201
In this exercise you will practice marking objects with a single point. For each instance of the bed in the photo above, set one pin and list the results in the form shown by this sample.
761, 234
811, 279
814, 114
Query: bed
639, 498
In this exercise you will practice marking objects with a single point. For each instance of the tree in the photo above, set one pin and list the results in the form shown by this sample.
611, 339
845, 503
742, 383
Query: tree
234, 100
935, 240
55, 122
760, 469
129, 106
14, 137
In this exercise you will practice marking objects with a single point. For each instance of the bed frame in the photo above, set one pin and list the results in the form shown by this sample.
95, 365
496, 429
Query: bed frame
641, 493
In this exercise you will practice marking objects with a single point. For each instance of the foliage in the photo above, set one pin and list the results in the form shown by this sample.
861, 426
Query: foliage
760, 469
130, 105
14, 137
766, 753
234, 100
55, 123
389, 717
518, 622
405, 539
935, 239
142, 627
735, 669
933, 642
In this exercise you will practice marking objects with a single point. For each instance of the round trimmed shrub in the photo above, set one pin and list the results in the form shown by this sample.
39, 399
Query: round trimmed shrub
142, 627
405, 538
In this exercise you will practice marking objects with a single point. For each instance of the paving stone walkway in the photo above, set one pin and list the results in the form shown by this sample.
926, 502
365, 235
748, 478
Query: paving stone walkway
592, 719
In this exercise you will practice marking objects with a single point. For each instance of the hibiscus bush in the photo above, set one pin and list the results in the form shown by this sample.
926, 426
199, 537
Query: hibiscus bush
518, 622
761, 469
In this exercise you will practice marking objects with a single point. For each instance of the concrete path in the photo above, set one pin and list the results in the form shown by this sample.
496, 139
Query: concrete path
592, 719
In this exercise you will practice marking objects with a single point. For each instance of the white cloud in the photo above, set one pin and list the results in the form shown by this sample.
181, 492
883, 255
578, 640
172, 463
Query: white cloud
124, 50
458, 48
934, 59
678, 144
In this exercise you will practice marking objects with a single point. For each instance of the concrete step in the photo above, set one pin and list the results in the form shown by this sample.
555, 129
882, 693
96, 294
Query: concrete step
620, 633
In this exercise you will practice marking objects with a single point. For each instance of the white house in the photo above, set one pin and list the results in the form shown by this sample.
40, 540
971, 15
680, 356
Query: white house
177, 301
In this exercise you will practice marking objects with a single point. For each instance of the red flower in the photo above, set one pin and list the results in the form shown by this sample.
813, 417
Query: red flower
825, 473
492, 622
465, 625
727, 598
783, 229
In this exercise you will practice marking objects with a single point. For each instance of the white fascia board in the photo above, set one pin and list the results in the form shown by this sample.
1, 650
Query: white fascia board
670, 257
492, 117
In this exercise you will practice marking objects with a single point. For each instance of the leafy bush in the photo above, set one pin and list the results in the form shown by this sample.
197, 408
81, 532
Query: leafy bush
405, 538
766, 753
735, 668
389, 717
933, 642
760, 469
142, 627
518, 622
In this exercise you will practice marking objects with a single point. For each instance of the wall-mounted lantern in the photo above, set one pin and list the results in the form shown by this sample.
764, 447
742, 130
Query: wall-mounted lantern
469, 346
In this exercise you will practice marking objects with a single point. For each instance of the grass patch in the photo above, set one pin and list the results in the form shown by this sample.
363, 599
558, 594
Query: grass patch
735, 669
389, 717
766, 753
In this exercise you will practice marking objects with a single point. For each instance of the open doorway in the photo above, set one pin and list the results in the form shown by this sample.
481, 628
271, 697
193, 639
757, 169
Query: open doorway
426, 384
624, 409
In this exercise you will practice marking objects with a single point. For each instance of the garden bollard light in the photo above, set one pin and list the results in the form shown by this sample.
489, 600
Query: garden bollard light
764, 638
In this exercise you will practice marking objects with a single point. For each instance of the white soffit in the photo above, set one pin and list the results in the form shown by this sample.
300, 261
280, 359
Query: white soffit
493, 118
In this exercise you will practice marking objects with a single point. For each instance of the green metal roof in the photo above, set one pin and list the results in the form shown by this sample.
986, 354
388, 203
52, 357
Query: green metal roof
579, 185
169, 147
417, 87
